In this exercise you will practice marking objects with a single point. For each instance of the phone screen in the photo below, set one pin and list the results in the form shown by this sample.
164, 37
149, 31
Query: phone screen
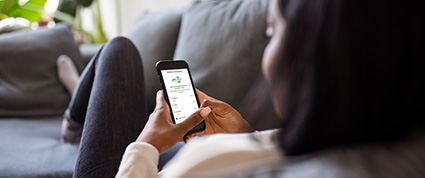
180, 93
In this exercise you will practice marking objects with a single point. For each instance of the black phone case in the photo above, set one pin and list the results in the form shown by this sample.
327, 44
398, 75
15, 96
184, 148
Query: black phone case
177, 64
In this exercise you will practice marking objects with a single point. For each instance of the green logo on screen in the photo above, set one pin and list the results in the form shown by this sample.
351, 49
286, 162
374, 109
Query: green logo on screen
177, 79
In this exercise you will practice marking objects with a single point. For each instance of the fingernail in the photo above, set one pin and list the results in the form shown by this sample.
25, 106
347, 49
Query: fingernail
203, 102
205, 112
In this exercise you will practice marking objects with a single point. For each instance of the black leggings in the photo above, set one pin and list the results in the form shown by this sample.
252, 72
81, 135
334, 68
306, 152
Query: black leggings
110, 102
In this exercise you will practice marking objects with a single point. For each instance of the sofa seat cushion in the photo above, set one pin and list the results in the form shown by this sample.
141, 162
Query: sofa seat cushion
31, 148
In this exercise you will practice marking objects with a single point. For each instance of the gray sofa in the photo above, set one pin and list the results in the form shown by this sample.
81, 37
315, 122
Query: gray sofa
222, 41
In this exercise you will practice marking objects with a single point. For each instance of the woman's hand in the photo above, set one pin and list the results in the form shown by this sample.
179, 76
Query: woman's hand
160, 131
223, 118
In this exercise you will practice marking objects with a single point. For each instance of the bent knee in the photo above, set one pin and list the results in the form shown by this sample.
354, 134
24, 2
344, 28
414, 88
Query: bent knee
121, 43
117, 52
122, 48
120, 40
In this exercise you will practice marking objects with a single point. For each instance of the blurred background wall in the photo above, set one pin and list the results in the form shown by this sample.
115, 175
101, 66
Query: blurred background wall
118, 15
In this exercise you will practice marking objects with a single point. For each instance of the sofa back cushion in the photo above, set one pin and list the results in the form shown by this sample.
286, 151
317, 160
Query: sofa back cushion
223, 43
155, 36
29, 85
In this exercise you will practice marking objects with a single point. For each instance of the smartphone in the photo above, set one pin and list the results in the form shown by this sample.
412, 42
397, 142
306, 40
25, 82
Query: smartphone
179, 91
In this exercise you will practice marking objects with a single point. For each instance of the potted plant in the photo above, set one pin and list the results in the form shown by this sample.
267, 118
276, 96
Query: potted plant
69, 11
16, 14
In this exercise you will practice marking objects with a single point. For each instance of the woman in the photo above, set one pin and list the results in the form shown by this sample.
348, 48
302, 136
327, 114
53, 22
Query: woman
336, 77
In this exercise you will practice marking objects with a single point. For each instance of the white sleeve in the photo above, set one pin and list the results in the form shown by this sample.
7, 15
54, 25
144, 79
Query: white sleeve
139, 160
223, 155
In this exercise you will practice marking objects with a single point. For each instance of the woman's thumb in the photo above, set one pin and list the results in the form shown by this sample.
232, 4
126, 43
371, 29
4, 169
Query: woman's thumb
194, 119
204, 112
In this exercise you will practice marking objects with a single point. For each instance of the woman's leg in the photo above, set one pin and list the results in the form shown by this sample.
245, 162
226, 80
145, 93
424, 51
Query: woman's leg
110, 101
75, 114
67, 73
69, 77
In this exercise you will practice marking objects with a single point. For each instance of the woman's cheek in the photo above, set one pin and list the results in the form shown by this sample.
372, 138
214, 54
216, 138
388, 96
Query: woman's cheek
269, 56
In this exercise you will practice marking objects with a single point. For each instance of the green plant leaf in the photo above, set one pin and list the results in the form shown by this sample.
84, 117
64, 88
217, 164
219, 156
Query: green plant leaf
3, 16
65, 18
31, 10
5, 5
2, 2
85, 3
68, 6
1, 7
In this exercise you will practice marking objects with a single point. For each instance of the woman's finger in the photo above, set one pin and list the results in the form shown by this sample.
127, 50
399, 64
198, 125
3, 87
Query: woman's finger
212, 103
193, 120
203, 96
186, 138
216, 105
160, 101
